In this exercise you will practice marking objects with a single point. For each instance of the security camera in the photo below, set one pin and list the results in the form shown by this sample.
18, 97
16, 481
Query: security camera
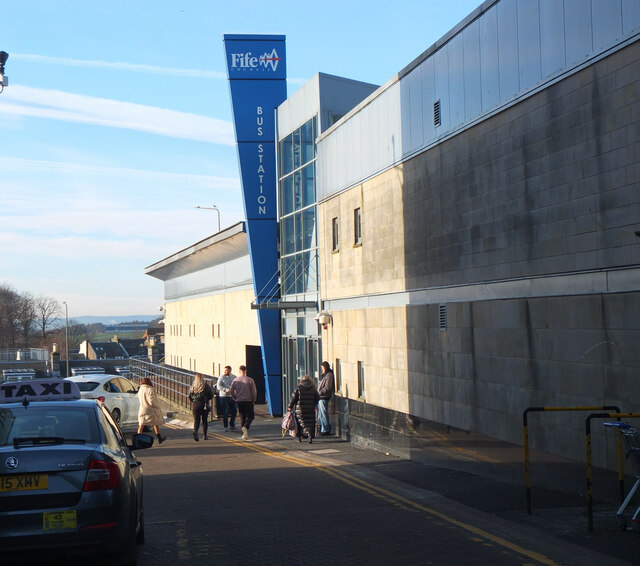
323, 318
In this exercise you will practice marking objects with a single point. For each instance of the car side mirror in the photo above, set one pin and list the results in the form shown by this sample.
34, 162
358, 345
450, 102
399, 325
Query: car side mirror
141, 441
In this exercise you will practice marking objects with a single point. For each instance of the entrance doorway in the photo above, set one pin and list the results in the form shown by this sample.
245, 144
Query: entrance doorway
255, 369
301, 356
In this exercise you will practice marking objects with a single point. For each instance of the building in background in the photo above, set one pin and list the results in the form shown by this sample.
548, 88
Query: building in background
478, 221
469, 232
208, 320
302, 119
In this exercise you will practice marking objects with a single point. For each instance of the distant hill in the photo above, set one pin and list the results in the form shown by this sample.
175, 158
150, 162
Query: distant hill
112, 319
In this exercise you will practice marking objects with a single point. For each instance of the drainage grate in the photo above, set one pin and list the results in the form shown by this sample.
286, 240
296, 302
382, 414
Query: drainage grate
443, 317
436, 114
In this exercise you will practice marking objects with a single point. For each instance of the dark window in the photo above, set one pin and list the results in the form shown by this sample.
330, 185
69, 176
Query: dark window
335, 234
361, 384
357, 227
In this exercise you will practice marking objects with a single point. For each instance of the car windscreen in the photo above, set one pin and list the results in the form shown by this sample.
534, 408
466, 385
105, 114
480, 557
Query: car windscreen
35, 425
87, 385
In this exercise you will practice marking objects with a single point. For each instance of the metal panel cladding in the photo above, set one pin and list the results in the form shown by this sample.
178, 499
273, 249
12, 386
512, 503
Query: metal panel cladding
256, 67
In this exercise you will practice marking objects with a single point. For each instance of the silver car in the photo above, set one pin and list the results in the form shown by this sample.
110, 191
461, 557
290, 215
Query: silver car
69, 482
116, 392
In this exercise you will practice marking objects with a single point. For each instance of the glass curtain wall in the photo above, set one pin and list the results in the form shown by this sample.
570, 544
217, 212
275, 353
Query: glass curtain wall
298, 253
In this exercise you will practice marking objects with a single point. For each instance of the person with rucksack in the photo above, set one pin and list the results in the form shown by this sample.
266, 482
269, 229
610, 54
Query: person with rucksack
200, 395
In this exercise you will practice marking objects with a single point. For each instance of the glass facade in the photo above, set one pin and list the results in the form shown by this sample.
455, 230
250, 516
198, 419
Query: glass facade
298, 253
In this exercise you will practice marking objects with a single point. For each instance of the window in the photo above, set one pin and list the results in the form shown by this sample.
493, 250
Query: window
357, 227
308, 185
335, 235
337, 373
361, 389
308, 145
308, 229
286, 154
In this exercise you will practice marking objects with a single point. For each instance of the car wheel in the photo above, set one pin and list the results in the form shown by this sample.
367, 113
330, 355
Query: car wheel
140, 533
130, 556
116, 415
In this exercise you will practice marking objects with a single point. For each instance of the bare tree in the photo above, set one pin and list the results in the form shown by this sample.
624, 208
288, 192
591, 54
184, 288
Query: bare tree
77, 334
47, 310
26, 317
9, 316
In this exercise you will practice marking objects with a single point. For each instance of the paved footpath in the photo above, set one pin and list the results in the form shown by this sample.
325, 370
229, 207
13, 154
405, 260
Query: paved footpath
271, 500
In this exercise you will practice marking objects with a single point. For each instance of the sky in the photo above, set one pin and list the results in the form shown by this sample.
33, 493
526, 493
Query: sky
116, 124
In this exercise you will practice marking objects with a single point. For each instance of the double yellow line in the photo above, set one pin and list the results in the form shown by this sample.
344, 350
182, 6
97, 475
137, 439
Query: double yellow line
391, 497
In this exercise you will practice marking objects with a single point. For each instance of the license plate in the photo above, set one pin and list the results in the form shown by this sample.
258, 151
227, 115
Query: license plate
24, 482
56, 520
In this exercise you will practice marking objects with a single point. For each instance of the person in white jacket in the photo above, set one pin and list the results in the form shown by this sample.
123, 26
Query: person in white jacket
150, 413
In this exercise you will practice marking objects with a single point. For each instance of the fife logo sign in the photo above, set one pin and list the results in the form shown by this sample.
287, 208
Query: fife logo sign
250, 62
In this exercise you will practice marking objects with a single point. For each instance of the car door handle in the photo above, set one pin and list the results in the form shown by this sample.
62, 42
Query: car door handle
135, 464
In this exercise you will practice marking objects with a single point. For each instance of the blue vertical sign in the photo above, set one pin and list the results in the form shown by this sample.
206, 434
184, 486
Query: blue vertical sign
256, 68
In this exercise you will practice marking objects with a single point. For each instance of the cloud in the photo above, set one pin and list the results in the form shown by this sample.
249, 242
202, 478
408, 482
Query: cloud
120, 66
67, 107
134, 67
75, 169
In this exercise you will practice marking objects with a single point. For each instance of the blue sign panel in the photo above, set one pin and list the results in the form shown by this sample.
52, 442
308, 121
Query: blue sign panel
258, 179
256, 67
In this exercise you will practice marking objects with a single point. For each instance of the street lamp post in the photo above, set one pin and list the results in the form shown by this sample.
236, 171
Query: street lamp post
212, 207
66, 333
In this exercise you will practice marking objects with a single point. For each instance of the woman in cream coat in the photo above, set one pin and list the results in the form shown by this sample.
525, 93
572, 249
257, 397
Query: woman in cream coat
149, 413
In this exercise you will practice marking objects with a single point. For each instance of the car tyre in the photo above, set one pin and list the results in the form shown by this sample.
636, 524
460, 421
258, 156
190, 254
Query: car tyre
130, 556
140, 533
116, 416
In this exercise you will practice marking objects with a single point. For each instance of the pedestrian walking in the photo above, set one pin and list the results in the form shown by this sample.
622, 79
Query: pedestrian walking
200, 395
243, 390
227, 402
149, 413
326, 390
303, 402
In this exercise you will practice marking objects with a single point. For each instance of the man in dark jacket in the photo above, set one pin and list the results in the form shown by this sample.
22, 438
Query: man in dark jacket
326, 389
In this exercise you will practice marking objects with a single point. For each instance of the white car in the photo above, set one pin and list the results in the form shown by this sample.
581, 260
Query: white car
117, 393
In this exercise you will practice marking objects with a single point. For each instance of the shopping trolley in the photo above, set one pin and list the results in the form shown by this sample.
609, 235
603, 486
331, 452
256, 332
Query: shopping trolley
631, 439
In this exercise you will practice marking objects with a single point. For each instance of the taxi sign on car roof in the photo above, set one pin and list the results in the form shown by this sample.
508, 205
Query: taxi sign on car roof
39, 390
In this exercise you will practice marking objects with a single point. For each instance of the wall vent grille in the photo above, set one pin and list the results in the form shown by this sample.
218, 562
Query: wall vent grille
443, 317
437, 121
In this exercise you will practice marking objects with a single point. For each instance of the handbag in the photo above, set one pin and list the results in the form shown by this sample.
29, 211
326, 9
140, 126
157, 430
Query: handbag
289, 422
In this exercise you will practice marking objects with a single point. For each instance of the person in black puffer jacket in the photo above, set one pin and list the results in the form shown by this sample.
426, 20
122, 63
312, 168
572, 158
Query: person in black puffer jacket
200, 396
304, 399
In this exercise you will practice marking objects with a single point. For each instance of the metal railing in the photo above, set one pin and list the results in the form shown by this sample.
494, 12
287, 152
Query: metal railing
525, 431
170, 383
24, 354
